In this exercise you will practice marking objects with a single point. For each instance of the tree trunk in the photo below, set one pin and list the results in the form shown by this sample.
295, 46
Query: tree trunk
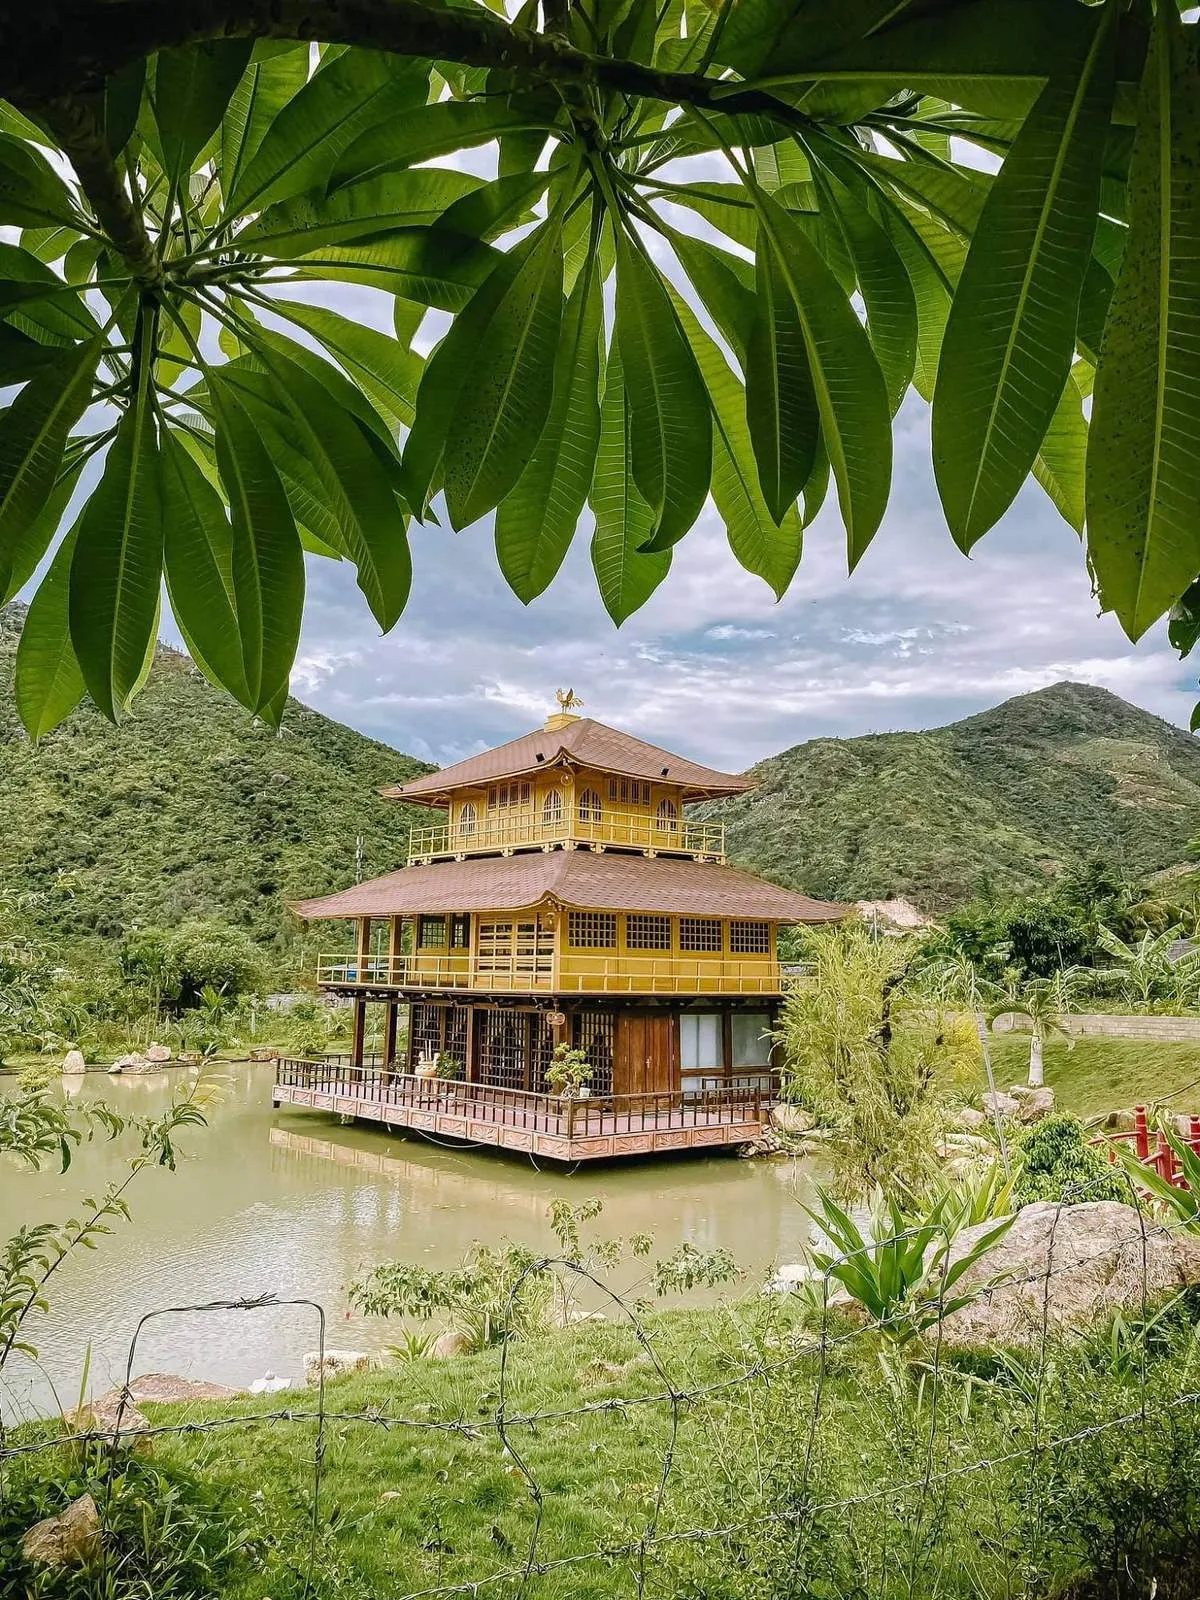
1036, 1076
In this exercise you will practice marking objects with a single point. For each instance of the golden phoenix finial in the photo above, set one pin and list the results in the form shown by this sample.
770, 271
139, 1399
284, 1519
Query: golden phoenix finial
567, 699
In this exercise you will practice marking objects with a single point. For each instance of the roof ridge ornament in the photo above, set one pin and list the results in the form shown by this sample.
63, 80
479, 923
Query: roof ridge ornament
569, 704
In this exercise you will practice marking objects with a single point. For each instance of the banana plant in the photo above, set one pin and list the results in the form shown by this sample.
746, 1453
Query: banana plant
718, 245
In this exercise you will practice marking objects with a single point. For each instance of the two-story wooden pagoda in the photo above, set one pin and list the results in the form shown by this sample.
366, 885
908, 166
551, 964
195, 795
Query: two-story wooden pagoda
565, 897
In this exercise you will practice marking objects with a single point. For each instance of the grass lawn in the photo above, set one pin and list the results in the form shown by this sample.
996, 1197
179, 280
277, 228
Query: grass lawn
1101, 1075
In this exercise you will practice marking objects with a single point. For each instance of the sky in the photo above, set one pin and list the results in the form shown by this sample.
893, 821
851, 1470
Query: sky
712, 666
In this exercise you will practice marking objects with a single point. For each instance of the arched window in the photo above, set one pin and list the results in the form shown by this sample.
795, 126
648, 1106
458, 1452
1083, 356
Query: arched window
590, 808
466, 818
667, 817
552, 809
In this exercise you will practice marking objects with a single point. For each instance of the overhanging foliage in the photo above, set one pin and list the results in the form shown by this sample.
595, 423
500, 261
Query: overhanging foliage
787, 198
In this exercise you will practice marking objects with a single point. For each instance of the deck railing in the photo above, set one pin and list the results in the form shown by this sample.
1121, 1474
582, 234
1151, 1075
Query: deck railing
563, 1117
572, 972
629, 829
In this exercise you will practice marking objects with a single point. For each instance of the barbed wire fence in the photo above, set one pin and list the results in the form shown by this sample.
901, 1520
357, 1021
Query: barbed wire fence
817, 1350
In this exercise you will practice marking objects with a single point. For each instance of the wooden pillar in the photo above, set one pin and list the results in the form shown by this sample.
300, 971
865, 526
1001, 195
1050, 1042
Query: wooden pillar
471, 1064
358, 1047
727, 1039
391, 1016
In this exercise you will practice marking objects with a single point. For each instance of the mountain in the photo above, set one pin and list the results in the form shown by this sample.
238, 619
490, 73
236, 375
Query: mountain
189, 809
1009, 796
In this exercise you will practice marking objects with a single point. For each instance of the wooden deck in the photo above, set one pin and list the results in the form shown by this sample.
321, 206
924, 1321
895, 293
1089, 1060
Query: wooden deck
594, 1129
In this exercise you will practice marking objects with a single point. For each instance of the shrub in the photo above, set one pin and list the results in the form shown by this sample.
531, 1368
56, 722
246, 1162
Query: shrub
1057, 1163
177, 965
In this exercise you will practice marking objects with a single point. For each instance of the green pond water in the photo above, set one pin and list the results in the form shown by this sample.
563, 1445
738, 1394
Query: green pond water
294, 1204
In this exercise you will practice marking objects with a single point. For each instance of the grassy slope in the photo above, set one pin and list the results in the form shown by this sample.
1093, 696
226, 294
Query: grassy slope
1101, 1075
188, 809
1009, 795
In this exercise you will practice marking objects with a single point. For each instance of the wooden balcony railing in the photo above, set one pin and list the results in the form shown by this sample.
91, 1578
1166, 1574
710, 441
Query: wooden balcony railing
570, 973
591, 1117
631, 830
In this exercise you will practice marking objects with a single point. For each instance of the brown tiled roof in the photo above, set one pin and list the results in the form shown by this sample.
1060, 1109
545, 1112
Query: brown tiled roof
577, 878
590, 744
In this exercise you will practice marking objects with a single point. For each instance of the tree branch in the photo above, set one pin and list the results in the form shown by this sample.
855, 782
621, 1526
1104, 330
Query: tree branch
77, 129
60, 47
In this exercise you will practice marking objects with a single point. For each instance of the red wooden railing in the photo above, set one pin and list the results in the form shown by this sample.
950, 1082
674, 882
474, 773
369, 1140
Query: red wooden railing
1154, 1151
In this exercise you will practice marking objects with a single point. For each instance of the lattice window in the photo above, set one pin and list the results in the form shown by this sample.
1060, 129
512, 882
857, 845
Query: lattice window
460, 931
667, 816
428, 1022
467, 818
750, 938
648, 933
541, 1050
594, 1034
456, 1033
431, 933
504, 1049
552, 809
591, 808
700, 933
592, 930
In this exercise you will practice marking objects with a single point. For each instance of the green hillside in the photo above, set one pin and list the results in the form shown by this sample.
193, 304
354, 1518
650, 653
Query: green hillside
1009, 796
189, 809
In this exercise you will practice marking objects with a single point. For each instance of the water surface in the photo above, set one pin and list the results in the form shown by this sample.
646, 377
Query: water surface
292, 1203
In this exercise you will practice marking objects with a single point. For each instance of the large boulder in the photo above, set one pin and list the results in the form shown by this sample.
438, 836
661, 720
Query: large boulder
159, 1054
792, 1119
113, 1422
135, 1061
73, 1064
1033, 1104
1068, 1265
164, 1387
449, 1344
998, 1104
338, 1364
70, 1539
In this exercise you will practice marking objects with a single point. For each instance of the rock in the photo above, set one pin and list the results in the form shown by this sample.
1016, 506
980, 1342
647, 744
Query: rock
163, 1387
71, 1539
768, 1143
1120, 1122
1081, 1262
188, 1058
970, 1119
1036, 1104
263, 1053
112, 1421
792, 1119
159, 1054
451, 1344
135, 1061
998, 1104
338, 1364
73, 1064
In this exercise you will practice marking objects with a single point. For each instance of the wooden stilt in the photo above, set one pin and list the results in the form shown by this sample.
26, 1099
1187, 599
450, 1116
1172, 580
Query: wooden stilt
358, 1046
391, 1017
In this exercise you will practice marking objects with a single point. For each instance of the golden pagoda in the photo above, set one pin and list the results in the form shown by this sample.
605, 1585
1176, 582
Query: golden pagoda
566, 897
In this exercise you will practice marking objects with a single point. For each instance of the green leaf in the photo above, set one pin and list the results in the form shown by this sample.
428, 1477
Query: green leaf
277, 72
725, 284
26, 551
931, 296
37, 301
503, 408
781, 403
192, 86
849, 385
429, 131
1143, 465
49, 684
1061, 460
626, 571
300, 148
199, 568
356, 487
32, 195
428, 265
267, 562
117, 570
386, 370
33, 436
122, 102
372, 209
536, 520
1010, 337
763, 543
670, 420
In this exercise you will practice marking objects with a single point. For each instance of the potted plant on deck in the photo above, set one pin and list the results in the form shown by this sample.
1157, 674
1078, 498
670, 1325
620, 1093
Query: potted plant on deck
569, 1076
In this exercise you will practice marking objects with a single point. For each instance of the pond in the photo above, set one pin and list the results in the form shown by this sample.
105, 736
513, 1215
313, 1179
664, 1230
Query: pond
293, 1203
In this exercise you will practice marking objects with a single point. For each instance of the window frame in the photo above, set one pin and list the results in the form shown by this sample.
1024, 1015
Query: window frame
645, 917
693, 928
580, 925
427, 919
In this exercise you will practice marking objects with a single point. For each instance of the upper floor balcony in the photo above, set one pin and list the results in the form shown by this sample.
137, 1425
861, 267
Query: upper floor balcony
660, 832
545, 971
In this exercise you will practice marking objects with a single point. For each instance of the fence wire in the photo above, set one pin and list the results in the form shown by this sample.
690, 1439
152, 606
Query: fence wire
918, 1499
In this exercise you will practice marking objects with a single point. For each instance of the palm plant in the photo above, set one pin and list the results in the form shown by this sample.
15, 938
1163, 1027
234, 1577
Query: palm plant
1148, 972
1044, 1002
